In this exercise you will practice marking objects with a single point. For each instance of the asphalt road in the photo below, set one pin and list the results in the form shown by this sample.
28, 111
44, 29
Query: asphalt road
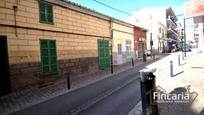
118, 102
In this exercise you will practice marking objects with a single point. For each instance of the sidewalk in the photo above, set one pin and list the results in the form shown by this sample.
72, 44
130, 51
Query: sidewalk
20, 100
190, 72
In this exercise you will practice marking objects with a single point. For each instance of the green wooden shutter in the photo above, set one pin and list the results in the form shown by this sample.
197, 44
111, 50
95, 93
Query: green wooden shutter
42, 11
49, 13
46, 12
44, 56
103, 54
48, 56
107, 54
53, 56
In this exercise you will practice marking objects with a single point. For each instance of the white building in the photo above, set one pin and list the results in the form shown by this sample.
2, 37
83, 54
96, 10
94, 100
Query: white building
160, 21
194, 10
198, 32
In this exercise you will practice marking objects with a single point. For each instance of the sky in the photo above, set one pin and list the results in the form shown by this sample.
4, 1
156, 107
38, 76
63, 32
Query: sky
130, 6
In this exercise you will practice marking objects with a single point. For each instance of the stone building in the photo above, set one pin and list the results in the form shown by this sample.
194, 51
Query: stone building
42, 40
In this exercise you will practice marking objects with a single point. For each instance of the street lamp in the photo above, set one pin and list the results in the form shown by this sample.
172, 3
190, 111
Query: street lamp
151, 41
111, 55
184, 32
111, 45
184, 27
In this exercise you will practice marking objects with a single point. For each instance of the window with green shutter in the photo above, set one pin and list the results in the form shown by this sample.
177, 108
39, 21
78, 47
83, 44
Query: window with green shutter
46, 12
103, 54
48, 56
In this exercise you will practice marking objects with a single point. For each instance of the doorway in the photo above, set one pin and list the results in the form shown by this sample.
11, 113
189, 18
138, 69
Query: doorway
140, 49
4, 67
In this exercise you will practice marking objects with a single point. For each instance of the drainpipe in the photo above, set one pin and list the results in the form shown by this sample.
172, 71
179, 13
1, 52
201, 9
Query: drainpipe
15, 10
111, 35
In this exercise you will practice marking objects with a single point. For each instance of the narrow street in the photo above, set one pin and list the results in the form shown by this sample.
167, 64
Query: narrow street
108, 96
100, 57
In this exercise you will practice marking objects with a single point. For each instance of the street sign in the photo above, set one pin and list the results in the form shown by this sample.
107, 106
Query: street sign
194, 8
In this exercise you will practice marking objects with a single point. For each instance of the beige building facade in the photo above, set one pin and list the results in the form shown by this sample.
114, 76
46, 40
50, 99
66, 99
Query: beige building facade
123, 42
162, 38
47, 39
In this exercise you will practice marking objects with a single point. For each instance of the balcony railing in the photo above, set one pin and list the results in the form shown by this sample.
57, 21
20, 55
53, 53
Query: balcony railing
173, 30
171, 20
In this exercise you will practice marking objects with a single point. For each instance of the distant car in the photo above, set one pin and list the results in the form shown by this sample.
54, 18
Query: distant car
148, 52
174, 49
187, 49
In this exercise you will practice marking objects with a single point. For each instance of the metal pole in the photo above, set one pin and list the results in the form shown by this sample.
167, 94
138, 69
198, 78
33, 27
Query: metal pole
111, 59
179, 62
147, 83
151, 43
111, 34
132, 62
171, 68
154, 54
182, 56
143, 92
68, 81
184, 27
143, 52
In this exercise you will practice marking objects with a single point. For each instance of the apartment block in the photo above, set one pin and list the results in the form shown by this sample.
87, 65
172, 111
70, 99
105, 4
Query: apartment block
172, 33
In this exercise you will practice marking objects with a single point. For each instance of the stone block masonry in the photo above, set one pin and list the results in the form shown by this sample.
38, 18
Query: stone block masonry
75, 33
76, 54
65, 20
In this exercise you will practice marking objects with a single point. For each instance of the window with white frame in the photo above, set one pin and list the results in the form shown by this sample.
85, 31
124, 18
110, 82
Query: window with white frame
128, 48
120, 49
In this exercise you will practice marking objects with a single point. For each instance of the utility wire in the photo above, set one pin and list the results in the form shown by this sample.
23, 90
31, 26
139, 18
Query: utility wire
112, 7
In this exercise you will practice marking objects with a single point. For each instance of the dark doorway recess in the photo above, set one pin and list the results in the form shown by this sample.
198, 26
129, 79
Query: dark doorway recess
4, 67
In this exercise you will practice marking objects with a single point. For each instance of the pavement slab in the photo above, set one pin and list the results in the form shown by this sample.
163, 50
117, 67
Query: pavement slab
190, 75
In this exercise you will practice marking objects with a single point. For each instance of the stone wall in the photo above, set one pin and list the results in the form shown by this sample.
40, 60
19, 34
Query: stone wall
65, 20
76, 36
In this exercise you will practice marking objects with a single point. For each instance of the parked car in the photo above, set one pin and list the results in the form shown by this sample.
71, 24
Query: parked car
187, 49
174, 49
148, 53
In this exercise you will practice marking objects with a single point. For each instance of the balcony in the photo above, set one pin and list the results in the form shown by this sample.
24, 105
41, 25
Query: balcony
172, 30
170, 20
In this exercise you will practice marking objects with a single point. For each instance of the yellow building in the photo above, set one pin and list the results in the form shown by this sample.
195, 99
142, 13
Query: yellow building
123, 42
